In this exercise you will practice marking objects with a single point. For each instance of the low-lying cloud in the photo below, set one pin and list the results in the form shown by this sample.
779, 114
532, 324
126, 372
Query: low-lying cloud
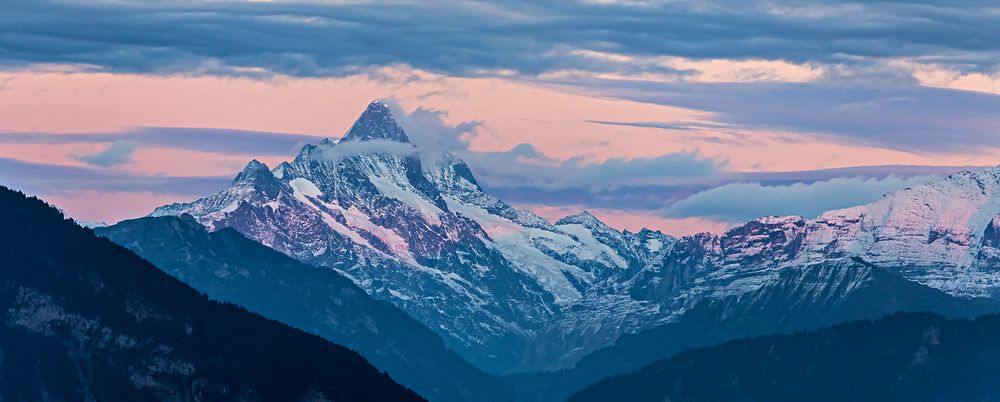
40, 178
678, 185
739, 202
122, 145
345, 149
525, 166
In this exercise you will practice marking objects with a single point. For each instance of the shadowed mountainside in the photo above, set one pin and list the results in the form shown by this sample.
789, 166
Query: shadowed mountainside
82, 318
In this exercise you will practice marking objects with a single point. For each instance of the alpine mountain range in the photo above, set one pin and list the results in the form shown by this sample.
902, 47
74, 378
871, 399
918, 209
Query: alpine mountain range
513, 293
547, 201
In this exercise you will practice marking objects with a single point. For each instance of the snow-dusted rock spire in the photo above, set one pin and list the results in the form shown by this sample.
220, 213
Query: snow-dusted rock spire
376, 123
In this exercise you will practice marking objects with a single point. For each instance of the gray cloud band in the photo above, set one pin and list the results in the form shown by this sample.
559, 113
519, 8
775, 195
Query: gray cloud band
528, 37
123, 144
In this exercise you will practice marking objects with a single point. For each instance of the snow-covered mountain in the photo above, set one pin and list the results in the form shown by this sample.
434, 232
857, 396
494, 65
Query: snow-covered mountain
485, 275
942, 234
512, 292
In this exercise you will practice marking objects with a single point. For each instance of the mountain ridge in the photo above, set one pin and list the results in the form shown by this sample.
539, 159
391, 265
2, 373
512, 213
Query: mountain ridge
512, 292
229, 267
901, 357
803, 298
82, 318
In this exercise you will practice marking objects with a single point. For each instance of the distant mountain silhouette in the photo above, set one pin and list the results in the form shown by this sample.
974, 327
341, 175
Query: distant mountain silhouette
83, 319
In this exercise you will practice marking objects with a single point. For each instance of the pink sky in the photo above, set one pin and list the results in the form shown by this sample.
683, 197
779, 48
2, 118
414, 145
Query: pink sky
553, 119
675, 95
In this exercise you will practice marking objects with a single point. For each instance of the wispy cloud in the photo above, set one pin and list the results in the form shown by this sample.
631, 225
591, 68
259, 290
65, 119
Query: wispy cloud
383, 147
524, 165
118, 153
872, 181
910, 118
738, 202
678, 126
675, 186
40, 178
122, 145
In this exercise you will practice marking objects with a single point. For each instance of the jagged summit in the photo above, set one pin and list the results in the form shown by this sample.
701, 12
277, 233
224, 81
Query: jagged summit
484, 274
494, 280
584, 218
376, 123
279, 171
451, 170
254, 170
256, 175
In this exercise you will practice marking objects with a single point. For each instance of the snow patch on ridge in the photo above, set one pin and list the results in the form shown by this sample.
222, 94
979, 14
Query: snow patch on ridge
516, 243
305, 187
593, 248
429, 211
654, 245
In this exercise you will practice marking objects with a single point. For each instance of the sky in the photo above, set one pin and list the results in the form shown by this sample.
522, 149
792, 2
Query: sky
682, 116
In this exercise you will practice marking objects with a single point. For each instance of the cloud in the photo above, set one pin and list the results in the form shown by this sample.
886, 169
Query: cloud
524, 37
212, 140
739, 202
909, 118
657, 197
677, 126
118, 153
676, 186
857, 84
344, 149
526, 166
42, 178
429, 132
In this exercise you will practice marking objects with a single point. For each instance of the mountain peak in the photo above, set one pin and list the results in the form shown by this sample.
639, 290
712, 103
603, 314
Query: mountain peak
253, 169
584, 218
455, 168
376, 123
258, 176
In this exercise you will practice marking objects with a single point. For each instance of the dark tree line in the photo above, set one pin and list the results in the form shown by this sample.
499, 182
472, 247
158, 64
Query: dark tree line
82, 317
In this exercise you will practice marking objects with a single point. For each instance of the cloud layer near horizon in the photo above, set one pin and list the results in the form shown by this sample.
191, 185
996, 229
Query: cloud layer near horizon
121, 145
743, 201
671, 109
673, 186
